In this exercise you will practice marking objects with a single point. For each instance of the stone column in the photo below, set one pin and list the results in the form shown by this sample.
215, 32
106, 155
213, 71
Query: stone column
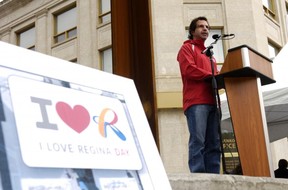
41, 31
84, 30
6, 33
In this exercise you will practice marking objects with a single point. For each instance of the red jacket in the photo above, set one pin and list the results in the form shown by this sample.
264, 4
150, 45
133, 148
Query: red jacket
195, 67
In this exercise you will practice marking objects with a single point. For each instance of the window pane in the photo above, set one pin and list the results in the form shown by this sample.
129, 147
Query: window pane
106, 18
66, 20
272, 51
268, 4
72, 33
265, 3
106, 57
105, 6
60, 38
27, 38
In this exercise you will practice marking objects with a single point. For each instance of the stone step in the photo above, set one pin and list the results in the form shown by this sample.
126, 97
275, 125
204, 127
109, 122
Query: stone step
225, 182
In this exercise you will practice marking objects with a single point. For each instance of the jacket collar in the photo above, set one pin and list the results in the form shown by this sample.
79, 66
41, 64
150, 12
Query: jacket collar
200, 43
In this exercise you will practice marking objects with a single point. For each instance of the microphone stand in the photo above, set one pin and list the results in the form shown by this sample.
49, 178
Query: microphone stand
209, 52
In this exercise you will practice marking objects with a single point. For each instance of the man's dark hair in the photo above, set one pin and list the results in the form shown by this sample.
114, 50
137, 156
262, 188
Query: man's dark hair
282, 163
193, 25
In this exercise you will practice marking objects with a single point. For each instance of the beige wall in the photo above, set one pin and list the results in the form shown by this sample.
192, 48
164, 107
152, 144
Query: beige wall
91, 36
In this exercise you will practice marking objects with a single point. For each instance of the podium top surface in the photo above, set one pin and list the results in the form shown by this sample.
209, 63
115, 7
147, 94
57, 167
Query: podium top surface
244, 61
251, 49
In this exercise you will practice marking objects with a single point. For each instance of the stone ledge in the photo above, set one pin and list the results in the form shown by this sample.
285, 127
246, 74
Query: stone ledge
225, 182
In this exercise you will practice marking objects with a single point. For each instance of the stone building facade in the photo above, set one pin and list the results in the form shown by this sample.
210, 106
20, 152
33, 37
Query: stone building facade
261, 25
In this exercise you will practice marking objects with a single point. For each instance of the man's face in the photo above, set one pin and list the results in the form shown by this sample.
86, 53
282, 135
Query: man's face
201, 31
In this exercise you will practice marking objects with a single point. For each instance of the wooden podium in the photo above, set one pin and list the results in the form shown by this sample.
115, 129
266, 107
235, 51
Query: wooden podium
243, 73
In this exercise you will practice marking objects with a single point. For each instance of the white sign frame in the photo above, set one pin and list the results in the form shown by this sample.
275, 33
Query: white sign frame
31, 66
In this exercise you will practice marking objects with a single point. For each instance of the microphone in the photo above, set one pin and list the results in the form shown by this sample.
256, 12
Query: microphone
216, 36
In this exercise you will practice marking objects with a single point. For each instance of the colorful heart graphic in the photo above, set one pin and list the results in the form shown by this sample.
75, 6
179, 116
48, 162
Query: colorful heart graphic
77, 118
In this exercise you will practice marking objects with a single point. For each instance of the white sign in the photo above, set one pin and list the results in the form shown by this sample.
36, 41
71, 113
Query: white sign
49, 184
118, 183
68, 128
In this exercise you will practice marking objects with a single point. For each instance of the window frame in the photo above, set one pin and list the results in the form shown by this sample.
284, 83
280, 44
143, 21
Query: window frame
65, 34
270, 9
274, 47
23, 30
101, 59
102, 14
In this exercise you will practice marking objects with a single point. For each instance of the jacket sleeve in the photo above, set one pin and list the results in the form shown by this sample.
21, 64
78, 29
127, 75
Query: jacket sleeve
188, 66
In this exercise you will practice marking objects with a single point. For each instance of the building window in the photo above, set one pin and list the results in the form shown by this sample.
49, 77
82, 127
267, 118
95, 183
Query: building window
106, 60
269, 8
273, 50
65, 25
27, 38
105, 11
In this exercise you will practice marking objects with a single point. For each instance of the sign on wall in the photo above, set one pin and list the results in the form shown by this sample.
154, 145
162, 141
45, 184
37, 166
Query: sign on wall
66, 126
